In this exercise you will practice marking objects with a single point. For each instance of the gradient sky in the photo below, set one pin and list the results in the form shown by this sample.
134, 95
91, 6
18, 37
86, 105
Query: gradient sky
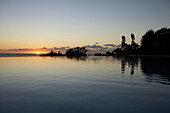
59, 23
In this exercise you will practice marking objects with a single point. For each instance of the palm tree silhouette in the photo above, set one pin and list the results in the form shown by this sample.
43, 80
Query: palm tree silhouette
123, 41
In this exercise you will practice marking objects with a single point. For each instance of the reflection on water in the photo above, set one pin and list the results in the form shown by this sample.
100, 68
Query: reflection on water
156, 69
132, 64
78, 58
92, 84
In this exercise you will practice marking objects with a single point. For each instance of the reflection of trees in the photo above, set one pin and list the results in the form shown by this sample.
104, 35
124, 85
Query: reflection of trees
77, 58
156, 69
123, 64
95, 59
132, 63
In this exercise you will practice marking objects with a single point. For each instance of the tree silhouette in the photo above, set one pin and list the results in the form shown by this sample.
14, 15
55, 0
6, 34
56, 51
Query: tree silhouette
156, 42
123, 42
77, 51
133, 38
147, 42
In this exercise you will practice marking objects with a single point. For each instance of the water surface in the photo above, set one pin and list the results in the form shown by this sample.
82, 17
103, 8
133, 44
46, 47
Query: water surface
84, 85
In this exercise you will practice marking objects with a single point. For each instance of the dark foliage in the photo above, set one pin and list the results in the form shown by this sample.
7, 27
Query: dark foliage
156, 43
108, 53
53, 54
99, 54
77, 51
127, 49
123, 45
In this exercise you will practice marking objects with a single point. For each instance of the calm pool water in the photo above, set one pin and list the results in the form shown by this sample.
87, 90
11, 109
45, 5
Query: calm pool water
84, 85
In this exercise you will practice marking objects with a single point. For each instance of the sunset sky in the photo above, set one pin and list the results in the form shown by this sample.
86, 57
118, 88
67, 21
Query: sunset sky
59, 24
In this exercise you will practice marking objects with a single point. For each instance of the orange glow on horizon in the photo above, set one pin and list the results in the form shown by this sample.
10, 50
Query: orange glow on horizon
37, 52
33, 52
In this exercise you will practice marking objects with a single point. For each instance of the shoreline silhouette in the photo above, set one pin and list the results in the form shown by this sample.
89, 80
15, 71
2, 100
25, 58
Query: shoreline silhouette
152, 43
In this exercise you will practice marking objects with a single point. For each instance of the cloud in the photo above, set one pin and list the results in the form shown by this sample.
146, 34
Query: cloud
43, 48
119, 45
60, 48
112, 45
91, 48
17, 50
25, 50
95, 47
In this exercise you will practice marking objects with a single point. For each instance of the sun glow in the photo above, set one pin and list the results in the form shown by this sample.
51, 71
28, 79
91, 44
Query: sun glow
37, 53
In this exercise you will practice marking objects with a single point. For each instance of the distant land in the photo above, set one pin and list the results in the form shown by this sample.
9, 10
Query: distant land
152, 43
